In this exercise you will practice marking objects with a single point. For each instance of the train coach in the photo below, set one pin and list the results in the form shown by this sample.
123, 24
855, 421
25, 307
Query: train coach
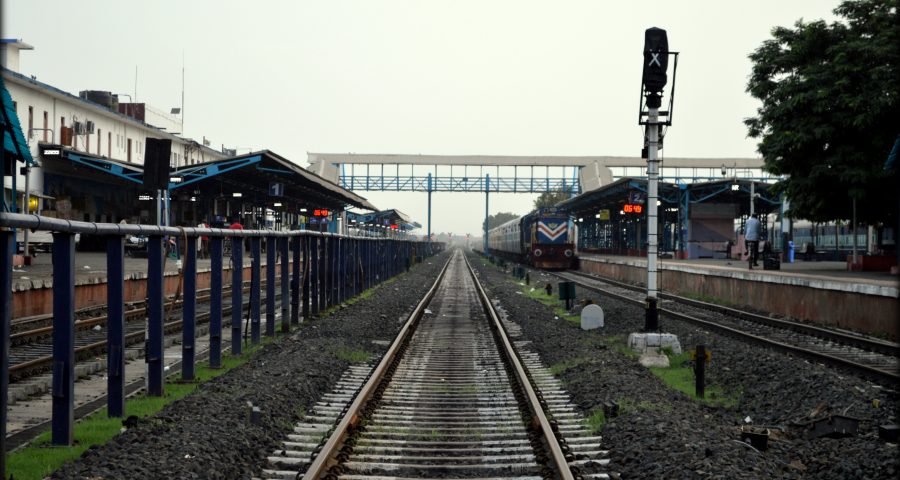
542, 238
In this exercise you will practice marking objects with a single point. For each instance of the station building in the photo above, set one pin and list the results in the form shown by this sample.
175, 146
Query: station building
67, 133
89, 150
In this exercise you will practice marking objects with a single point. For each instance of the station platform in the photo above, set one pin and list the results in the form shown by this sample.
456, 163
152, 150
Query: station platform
818, 292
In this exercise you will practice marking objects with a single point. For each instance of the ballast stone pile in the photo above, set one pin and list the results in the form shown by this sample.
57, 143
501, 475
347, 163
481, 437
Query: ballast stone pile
661, 433
208, 434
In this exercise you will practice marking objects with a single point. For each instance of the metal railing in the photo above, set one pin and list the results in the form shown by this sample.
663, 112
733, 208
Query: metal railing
326, 270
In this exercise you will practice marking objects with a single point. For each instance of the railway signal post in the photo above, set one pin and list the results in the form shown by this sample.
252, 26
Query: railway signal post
653, 82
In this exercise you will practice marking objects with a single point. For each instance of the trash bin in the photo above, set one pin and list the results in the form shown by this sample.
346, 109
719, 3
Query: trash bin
790, 258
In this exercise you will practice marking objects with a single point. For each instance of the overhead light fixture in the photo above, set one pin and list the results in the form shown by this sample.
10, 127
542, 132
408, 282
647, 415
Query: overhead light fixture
302, 210
277, 204
237, 194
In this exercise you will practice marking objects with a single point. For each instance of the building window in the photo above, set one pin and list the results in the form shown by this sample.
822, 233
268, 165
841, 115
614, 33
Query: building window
30, 121
99, 140
46, 125
108, 144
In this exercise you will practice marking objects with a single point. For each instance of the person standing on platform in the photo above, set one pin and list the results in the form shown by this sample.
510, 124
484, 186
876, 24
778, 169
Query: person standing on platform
751, 239
203, 242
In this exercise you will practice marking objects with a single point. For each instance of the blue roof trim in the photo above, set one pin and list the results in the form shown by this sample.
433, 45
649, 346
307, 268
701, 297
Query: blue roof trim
14, 142
131, 174
196, 174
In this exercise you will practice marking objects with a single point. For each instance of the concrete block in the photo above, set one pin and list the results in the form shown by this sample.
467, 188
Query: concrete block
591, 317
641, 342
653, 358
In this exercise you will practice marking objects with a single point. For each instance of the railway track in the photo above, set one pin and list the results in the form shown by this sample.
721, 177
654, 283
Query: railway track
870, 356
451, 398
32, 350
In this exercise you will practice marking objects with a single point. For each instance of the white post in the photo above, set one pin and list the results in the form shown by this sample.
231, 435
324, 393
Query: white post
752, 197
652, 223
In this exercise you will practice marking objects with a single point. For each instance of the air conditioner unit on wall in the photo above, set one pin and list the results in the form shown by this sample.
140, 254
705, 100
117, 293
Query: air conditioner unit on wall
79, 128
90, 126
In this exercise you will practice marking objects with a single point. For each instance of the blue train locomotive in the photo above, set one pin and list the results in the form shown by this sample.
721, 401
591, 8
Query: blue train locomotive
541, 238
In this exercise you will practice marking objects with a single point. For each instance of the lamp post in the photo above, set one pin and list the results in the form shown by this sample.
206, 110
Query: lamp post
653, 82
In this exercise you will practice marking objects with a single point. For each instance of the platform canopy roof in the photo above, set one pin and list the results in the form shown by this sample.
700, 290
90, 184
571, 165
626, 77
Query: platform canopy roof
260, 178
615, 194
386, 217
634, 190
15, 148
264, 177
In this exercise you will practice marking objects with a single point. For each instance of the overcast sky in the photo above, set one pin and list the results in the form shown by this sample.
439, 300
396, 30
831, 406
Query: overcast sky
431, 77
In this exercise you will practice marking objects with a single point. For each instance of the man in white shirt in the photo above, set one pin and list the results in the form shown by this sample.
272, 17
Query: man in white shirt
751, 238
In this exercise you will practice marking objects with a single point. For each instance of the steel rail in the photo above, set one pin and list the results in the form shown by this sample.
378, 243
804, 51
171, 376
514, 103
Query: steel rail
871, 344
559, 458
102, 319
129, 338
327, 457
829, 359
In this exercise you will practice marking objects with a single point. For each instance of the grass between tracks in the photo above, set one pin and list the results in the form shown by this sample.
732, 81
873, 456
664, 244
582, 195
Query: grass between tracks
40, 458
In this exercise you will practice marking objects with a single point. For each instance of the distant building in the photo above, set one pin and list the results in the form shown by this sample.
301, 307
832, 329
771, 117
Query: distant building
95, 123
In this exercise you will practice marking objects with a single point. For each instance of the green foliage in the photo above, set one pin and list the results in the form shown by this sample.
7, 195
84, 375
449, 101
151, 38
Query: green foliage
558, 368
500, 218
595, 421
828, 118
39, 459
353, 356
550, 199
680, 376
551, 301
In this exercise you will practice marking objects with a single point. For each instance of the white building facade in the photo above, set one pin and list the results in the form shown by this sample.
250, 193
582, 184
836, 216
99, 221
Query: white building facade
47, 113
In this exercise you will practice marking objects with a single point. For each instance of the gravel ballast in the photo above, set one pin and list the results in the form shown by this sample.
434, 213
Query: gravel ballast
208, 433
662, 433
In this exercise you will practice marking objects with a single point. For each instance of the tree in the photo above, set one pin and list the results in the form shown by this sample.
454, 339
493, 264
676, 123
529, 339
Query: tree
549, 199
829, 109
500, 218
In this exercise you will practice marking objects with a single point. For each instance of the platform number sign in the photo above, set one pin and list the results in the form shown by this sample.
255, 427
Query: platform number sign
635, 197
276, 189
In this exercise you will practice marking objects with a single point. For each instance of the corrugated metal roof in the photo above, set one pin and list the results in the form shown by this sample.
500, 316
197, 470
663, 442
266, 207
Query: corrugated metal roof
14, 142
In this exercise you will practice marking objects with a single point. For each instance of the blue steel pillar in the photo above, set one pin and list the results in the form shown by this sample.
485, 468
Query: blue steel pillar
284, 245
487, 195
255, 290
314, 274
155, 355
298, 277
332, 271
429, 207
303, 281
189, 311
215, 302
271, 265
63, 338
237, 293
7, 243
115, 326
